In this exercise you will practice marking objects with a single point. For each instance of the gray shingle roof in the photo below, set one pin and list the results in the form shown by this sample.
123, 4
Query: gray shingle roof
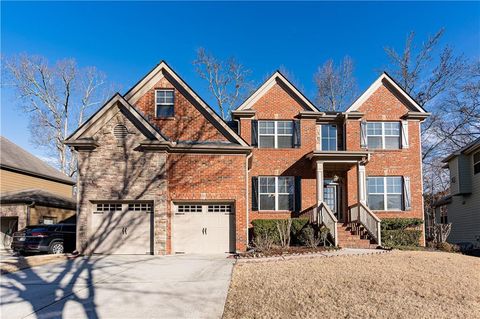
14, 157
40, 197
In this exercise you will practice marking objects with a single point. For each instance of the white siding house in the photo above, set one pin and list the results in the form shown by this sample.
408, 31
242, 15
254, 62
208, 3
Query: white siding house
463, 204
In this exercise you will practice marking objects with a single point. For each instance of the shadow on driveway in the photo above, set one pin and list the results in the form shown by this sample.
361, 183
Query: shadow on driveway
186, 286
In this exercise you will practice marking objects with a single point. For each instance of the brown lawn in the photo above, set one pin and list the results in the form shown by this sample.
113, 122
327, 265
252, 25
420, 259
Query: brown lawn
400, 284
13, 265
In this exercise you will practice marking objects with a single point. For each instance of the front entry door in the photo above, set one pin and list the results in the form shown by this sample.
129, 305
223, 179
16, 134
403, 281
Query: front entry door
330, 196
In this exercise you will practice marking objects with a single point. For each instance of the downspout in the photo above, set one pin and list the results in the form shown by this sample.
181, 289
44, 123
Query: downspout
247, 213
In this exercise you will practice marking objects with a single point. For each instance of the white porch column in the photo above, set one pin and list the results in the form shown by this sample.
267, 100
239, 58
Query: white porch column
319, 182
362, 183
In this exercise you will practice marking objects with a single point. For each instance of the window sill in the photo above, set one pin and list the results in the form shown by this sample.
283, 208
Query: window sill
389, 211
381, 150
169, 118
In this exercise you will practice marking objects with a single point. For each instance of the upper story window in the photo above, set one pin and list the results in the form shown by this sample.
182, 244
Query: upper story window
383, 135
476, 163
275, 134
328, 137
275, 193
164, 103
385, 193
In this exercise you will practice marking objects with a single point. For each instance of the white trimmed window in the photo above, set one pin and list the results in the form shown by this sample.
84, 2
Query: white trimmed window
385, 193
275, 134
276, 192
164, 103
383, 135
476, 163
329, 137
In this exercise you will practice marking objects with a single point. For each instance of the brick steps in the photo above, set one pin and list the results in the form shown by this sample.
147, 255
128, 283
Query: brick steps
357, 237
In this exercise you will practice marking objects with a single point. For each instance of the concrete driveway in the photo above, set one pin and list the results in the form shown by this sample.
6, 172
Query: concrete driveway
186, 286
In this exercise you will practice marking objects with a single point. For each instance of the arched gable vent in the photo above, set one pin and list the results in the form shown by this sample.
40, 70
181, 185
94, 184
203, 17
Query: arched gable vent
120, 131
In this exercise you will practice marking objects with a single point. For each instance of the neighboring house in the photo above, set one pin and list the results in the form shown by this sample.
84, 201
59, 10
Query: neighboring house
462, 207
32, 192
160, 172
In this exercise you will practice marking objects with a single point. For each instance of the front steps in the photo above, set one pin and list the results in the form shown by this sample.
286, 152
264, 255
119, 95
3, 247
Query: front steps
354, 236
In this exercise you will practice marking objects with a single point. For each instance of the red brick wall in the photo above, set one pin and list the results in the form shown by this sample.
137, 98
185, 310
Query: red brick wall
278, 104
188, 124
201, 177
383, 105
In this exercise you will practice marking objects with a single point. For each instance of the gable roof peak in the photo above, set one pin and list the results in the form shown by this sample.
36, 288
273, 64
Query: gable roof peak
267, 85
376, 84
156, 74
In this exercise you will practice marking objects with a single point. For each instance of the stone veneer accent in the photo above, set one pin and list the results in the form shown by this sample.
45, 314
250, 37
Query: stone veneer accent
118, 170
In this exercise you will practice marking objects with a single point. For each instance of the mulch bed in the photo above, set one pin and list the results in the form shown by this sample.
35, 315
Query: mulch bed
279, 251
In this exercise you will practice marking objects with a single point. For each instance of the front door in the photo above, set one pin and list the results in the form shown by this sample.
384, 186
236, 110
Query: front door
330, 196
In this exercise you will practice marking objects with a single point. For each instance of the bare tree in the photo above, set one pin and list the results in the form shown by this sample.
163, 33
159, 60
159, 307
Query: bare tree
448, 86
57, 99
227, 80
336, 85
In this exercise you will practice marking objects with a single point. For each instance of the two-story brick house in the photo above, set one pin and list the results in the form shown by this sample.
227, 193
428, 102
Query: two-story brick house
160, 172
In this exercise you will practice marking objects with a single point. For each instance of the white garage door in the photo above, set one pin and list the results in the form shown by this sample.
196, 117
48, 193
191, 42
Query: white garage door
203, 228
122, 228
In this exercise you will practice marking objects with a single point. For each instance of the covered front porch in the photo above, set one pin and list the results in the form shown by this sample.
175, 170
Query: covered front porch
341, 195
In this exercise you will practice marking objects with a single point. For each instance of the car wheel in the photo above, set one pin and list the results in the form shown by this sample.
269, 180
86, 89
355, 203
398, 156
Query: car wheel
56, 248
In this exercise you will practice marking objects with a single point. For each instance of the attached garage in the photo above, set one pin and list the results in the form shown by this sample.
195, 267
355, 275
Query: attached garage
203, 228
122, 228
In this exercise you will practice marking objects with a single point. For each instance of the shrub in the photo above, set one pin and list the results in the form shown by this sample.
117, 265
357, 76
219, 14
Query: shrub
401, 237
447, 247
308, 237
263, 242
400, 223
298, 224
267, 228
311, 238
284, 226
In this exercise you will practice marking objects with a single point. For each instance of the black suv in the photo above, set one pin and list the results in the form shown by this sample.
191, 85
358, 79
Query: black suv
54, 239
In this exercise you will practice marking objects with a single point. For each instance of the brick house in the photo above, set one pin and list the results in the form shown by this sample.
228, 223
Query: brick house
160, 172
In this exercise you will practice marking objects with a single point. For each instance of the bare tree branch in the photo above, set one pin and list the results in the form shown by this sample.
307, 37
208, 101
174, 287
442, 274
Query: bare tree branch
227, 80
56, 98
336, 86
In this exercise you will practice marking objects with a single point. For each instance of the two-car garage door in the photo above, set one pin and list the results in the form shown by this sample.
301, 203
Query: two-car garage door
127, 228
203, 228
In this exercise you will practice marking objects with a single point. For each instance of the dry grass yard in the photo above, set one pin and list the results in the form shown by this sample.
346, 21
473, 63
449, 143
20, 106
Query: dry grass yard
401, 284
16, 264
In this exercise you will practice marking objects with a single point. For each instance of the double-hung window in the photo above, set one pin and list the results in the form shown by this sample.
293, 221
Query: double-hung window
385, 193
329, 137
275, 134
276, 192
476, 163
164, 103
383, 135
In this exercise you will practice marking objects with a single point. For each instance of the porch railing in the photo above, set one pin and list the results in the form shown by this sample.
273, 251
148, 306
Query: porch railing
359, 213
326, 217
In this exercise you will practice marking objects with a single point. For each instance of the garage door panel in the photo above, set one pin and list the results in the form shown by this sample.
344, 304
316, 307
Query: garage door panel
203, 228
122, 229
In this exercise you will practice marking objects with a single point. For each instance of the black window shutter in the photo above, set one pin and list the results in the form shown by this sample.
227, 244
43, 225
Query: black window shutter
298, 194
254, 193
297, 134
254, 133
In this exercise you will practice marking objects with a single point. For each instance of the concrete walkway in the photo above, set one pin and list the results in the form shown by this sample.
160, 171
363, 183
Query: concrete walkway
119, 287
